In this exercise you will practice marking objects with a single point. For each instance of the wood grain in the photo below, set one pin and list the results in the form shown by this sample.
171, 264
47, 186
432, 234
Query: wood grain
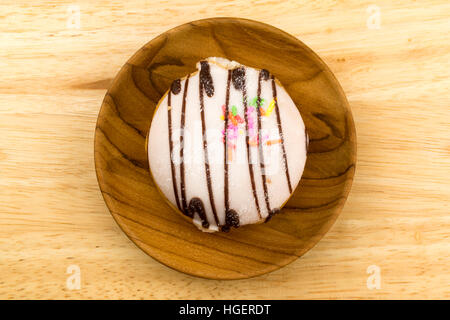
54, 79
133, 197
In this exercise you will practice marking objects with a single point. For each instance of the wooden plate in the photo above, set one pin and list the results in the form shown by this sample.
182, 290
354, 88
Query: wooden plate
132, 197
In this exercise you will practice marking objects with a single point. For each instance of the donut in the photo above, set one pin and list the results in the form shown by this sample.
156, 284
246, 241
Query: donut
227, 146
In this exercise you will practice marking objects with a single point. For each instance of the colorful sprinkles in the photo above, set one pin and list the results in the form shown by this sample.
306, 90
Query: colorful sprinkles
236, 123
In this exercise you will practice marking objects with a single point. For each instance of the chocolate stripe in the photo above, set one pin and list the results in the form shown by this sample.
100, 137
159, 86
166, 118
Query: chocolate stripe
225, 144
260, 145
183, 119
196, 206
239, 83
172, 165
204, 73
280, 131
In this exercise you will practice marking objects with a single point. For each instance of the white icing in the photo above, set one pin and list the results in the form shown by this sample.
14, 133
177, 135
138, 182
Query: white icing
241, 197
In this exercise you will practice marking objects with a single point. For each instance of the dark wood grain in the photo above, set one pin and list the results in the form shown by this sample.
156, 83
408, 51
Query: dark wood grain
144, 215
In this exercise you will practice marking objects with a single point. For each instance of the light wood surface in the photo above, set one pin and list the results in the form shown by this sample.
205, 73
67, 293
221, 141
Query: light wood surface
139, 207
52, 83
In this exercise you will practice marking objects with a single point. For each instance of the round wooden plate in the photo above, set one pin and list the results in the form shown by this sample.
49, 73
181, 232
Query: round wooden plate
123, 171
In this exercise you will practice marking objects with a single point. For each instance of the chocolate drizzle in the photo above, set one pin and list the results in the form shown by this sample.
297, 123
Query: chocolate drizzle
196, 206
280, 131
238, 78
231, 216
231, 220
172, 165
183, 119
205, 78
272, 213
225, 144
176, 87
263, 74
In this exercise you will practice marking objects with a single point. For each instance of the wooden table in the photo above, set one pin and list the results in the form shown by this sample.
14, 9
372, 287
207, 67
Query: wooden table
393, 61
